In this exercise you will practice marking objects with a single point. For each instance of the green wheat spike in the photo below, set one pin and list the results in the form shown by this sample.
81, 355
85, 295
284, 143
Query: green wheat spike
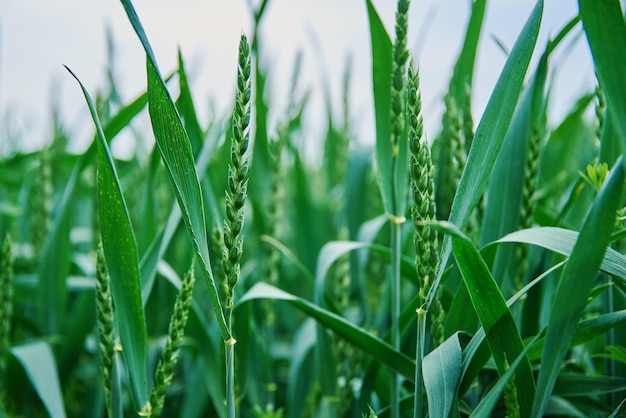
106, 331
217, 247
452, 153
397, 122
511, 401
171, 350
237, 174
398, 69
421, 172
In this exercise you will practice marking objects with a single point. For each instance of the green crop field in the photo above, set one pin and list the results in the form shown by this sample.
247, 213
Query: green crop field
231, 274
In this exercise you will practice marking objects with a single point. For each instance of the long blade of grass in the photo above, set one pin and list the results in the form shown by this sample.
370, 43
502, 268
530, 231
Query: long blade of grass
464, 68
149, 260
619, 411
176, 153
54, 263
381, 79
490, 134
502, 211
118, 242
605, 28
377, 348
577, 281
38, 362
502, 334
505, 189
333, 250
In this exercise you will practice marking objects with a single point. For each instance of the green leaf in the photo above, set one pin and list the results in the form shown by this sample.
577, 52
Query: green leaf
118, 242
442, 372
605, 28
476, 354
490, 134
333, 250
156, 249
289, 255
505, 188
619, 411
502, 334
54, 263
375, 347
505, 194
176, 153
464, 68
577, 281
381, 78
38, 363
562, 241
574, 384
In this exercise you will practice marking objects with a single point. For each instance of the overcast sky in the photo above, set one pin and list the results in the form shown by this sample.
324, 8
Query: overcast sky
38, 36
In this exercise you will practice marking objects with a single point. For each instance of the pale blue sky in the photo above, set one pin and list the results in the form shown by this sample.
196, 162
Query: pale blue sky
37, 36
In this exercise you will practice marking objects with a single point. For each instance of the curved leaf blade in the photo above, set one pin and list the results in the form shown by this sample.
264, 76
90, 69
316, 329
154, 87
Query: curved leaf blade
577, 281
120, 250
605, 28
38, 362
502, 334
176, 153
381, 82
378, 349
562, 241
490, 133
442, 373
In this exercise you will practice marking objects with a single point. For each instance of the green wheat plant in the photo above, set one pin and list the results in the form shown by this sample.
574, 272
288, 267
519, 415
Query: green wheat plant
235, 199
501, 232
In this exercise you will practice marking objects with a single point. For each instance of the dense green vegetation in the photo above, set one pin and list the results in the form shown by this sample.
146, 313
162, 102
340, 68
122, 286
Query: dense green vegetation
228, 275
